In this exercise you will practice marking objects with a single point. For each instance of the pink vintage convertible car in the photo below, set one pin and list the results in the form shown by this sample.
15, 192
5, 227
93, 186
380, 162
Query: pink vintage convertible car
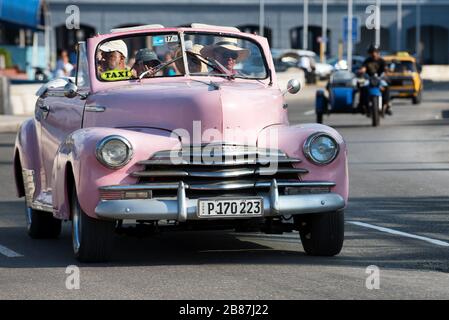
180, 128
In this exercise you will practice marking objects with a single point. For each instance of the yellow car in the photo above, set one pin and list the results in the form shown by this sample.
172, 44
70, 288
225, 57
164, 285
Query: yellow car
403, 77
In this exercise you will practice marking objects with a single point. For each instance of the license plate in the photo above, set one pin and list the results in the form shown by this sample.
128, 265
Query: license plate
249, 207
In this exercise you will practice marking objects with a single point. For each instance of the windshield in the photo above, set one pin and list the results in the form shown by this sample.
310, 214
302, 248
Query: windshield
401, 66
160, 55
149, 56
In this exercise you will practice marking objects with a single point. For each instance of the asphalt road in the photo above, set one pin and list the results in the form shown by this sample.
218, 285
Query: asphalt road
399, 178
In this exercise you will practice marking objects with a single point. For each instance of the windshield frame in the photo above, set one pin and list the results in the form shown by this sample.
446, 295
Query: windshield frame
187, 73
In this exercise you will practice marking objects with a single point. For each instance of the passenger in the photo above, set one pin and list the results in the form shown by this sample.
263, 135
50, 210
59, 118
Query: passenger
227, 53
194, 63
146, 59
171, 69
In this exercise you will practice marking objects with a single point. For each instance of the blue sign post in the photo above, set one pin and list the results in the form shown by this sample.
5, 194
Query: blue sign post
355, 29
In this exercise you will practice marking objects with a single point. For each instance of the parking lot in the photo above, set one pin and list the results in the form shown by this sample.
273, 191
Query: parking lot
397, 219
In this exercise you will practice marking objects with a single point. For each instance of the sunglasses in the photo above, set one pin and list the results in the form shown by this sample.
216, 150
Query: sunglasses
226, 54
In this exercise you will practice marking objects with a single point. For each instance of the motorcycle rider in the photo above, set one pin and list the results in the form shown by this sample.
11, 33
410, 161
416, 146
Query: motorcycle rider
374, 64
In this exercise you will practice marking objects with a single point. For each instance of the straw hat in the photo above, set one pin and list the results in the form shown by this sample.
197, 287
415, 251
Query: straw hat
226, 44
196, 48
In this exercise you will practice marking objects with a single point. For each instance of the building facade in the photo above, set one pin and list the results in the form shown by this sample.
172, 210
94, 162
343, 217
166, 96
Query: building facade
283, 21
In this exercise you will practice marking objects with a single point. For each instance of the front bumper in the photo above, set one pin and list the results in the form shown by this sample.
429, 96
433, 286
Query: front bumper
402, 92
183, 209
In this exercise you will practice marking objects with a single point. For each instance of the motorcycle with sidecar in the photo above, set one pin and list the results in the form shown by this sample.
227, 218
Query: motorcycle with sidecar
340, 96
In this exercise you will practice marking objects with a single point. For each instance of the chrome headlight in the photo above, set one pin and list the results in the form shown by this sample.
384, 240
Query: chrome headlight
321, 148
114, 151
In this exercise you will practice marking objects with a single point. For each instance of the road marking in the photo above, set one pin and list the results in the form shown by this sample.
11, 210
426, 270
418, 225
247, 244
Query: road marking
8, 252
400, 233
308, 113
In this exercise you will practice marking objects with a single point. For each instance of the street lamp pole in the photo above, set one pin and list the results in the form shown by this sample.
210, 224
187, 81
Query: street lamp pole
261, 17
418, 31
305, 27
377, 22
323, 43
399, 26
349, 37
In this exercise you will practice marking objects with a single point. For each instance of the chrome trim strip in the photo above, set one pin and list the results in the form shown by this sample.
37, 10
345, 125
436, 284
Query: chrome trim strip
165, 155
160, 173
228, 185
94, 109
298, 184
180, 161
219, 173
224, 185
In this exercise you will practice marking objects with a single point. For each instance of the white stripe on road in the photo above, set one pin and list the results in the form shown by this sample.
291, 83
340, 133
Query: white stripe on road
400, 233
9, 253
310, 112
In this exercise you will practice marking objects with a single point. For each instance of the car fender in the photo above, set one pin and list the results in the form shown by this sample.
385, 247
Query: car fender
291, 139
26, 155
77, 153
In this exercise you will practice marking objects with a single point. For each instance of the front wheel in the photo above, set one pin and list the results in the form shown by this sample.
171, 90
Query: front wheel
92, 239
375, 113
322, 234
319, 117
418, 98
42, 225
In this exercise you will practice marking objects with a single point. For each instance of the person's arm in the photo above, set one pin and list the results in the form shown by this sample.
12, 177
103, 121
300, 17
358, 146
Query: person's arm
382, 67
362, 69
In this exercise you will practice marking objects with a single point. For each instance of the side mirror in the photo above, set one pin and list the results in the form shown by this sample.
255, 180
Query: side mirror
419, 68
293, 86
70, 90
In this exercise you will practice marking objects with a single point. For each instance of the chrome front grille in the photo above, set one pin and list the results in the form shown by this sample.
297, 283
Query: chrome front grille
225, 171
218, 169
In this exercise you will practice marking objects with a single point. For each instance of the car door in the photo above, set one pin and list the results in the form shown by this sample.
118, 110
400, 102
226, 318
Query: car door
59, 116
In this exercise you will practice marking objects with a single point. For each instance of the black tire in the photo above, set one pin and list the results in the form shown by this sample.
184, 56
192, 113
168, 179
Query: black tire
92, 239
322, 234
418, 98
319, 118
375, 111
42, 224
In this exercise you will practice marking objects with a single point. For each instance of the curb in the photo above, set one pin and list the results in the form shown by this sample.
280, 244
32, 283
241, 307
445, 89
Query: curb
10, 124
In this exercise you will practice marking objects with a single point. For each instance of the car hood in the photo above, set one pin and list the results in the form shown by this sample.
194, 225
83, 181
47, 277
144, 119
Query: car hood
233, 111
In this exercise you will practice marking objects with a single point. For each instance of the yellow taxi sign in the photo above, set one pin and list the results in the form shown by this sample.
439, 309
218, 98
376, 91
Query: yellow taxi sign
403, 54
114, 75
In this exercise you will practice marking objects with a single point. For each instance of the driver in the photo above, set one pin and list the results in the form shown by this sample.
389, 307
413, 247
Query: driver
226, 52
373, 65
146, 59
112, 60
